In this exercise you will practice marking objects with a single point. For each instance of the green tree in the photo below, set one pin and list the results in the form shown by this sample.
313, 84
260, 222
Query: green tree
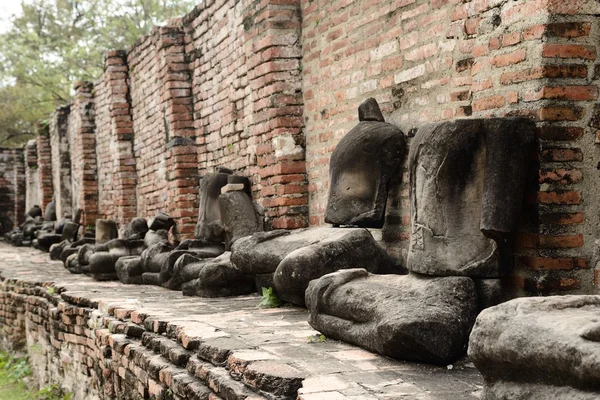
54, 43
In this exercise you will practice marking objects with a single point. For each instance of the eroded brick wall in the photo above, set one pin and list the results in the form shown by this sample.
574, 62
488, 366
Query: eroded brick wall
245, 61
117, 196
61, 161
32, 175
44, 164
82, 143
12, 188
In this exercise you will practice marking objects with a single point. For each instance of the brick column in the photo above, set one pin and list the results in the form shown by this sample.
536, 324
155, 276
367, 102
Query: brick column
83, 153
32, 177
18, 183
273, 51
61, 161
44, 163
121, 130
182, 154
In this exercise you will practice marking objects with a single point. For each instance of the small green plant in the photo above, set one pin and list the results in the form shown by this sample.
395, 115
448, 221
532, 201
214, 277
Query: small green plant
36, 349
53, 392
269, 299
50, 290
15, 368
316, 339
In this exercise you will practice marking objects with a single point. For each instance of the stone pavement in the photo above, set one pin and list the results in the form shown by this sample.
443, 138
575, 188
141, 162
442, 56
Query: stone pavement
267, 349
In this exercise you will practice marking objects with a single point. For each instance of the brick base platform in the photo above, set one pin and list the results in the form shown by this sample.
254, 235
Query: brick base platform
106, 340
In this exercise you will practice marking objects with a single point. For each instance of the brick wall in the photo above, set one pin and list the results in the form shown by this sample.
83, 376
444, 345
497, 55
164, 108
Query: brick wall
61, 161
44, 162
117, 196
12, 188
32, 175
82, 142
245, 63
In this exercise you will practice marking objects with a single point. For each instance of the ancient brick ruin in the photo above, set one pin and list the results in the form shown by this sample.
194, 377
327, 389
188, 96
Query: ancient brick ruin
265, 91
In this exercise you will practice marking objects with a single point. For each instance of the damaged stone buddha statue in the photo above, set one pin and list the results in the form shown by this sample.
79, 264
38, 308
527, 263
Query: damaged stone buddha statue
467, 185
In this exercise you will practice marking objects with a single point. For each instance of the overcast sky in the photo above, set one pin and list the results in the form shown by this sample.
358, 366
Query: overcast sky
8, 8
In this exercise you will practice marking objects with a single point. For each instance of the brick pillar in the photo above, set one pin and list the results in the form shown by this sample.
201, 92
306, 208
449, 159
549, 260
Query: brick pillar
182, 152
18, 183
115, 78
83, 153
44, 163
32, 177
61, 161
274, 53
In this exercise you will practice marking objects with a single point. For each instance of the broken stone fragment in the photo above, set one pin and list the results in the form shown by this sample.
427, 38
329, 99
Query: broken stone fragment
361, 168
209, 226
45, 240
463, 212
35, 211
136, 229
50, 212
297, 257
539, 348
129, 270
106, 230
238, 216
69, 231
415, 318
218, 277
161, 221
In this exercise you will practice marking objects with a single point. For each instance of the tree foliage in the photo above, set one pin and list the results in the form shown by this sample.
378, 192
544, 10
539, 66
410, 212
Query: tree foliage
54, 43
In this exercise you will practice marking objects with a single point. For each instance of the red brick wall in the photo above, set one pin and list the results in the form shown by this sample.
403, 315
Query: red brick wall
32, 176
245, 63
82, 142
61, 161
117, 196
12, 188
44, 162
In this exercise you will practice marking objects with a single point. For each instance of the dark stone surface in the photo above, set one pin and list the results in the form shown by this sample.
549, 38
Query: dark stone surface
50, 212
360, 170
106, 255
218, 278
35, 211
70, 231
238, 216
463, 212
106, 230
136, 229
129, 270
46, 240
161, 221
151, 262
369, 111
209, 225
409, 317
151, 238
296, 257
539, 348
57, 249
